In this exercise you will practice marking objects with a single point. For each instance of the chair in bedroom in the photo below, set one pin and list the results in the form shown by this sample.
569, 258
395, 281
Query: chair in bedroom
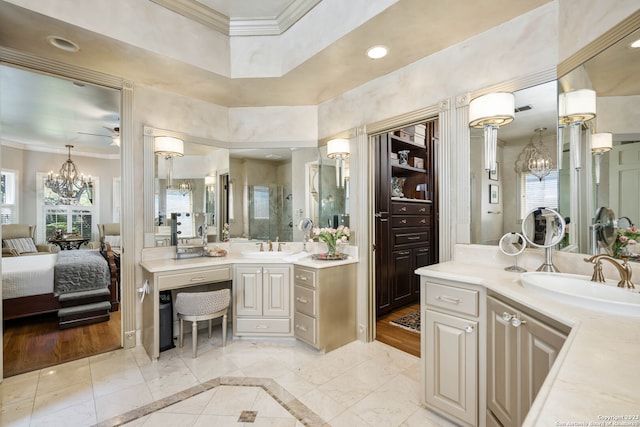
109, 233
19, 240
195, 306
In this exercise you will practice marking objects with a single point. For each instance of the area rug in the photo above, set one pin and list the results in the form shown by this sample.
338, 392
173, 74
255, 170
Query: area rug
410, 322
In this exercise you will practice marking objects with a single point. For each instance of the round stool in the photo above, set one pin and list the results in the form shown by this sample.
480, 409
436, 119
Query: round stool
194, 306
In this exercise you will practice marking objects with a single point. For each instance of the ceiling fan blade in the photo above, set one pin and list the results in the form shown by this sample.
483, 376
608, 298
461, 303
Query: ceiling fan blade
94, 134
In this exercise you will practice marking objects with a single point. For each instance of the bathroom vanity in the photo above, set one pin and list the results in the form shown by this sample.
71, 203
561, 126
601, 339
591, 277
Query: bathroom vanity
263, 296
495, 353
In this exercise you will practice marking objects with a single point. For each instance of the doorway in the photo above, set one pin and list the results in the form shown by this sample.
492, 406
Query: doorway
406, 228
47, 112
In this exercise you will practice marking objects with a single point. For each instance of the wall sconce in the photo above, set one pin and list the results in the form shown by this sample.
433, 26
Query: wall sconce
490, 112
168, 147
338, 149
210, 183
579, 107
600, 144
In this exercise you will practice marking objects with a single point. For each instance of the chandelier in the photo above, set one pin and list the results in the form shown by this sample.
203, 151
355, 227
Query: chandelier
185, 187
68, 183
534, 158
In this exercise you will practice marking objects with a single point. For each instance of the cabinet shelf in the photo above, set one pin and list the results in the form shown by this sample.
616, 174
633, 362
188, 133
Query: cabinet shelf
409, 143
407, 168
405, 199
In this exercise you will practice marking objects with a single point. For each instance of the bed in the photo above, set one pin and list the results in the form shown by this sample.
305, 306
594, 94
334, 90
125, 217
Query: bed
32, 285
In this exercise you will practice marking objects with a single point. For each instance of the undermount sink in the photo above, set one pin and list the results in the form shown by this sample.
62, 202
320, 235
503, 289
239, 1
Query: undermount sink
266, 254
582, 292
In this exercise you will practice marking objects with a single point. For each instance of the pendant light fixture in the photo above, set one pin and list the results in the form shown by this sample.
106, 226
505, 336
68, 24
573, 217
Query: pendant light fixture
534, 158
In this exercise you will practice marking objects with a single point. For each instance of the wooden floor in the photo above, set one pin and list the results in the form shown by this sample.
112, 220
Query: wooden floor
36, 342
394, 336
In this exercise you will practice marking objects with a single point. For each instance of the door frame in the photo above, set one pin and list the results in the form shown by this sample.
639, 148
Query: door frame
32, 63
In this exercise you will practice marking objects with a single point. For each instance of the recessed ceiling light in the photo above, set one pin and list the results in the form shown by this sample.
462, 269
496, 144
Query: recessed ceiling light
377, 52
636, 43
63, 44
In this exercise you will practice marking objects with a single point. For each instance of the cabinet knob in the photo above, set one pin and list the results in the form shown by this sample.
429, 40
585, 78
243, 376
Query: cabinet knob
302, 328
507, 317
515, 322
302, 300
423, 210
468, 329
403, 209
423, 221
404, 221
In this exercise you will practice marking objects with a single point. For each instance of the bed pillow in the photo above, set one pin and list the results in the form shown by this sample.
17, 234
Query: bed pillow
113, 241
23, 245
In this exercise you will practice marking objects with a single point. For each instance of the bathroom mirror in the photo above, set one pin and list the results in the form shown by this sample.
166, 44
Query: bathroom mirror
251, 190
612, 74
604, 228
544, 228
513, 244
515, 189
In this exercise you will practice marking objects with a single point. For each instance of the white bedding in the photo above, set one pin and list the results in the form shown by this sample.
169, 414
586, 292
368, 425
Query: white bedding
27, 275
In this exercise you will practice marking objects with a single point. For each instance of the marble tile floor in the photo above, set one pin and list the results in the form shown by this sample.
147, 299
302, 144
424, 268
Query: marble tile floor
278, 382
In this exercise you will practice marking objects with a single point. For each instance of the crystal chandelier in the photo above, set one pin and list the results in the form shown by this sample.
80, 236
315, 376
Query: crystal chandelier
185, 187
68, 183
534, 158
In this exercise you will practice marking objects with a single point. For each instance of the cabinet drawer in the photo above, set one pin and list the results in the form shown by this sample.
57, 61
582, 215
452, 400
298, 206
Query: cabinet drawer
305, 300
411, 238
410, 221
410, 209
178, 280
305, 328
453, 299
304, 277
262, 326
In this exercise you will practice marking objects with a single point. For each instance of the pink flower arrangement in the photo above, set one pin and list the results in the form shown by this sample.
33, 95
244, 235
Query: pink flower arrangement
625, 237
332, 236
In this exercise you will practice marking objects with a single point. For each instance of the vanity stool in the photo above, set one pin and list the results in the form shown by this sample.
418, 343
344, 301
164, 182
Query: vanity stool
194, 306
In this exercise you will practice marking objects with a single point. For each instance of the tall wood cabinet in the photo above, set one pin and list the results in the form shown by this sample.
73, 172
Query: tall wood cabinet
406, 212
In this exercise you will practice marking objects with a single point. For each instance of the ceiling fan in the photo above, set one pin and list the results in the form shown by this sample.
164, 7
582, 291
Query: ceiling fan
115, 135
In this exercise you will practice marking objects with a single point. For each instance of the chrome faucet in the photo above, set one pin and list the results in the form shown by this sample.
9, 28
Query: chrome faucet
624, 269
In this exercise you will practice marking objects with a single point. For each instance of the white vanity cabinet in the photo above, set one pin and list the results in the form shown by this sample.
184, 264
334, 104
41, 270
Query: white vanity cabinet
325, 305
521, 349
451, 348
262, 300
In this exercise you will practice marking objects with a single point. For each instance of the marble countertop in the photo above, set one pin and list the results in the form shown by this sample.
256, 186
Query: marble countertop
596, 376
302, 259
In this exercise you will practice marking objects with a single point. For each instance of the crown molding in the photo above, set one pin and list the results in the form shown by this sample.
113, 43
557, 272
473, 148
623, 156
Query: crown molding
240, 26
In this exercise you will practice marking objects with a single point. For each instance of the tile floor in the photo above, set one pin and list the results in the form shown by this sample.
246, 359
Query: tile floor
280, 382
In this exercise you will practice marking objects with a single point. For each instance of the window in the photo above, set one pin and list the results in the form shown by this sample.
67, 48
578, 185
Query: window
535, 193
179, 203
81, 218
260, 202
9, 194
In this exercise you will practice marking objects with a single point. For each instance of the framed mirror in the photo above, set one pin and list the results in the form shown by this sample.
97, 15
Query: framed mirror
534, 127
609, 175
243, 194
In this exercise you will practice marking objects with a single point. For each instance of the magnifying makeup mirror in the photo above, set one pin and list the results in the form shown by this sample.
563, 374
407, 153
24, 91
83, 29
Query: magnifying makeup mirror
513, 244
305, 225
603, 231
544, 228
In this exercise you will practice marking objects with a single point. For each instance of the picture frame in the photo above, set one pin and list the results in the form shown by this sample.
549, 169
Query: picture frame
494, 194
493, 175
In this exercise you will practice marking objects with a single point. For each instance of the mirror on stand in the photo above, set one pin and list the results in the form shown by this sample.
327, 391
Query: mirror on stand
544, 228
513, 244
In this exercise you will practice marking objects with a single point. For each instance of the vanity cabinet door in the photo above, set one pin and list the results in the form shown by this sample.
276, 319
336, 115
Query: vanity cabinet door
248, 291
539, 348
452, 365
276, 292
502, 364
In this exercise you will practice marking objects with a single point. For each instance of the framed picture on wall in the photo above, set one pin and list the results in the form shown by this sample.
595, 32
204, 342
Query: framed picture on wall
493, 175
494, 193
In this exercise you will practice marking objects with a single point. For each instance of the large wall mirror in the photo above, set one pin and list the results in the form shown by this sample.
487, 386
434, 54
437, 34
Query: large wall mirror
610, 173
500, 200
242, 195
